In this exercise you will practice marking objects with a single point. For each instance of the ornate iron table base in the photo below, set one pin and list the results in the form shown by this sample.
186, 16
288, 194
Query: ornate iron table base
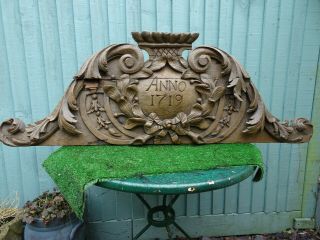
168, 216
175, 184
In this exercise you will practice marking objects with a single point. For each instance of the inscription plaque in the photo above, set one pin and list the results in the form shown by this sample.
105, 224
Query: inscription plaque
166, 97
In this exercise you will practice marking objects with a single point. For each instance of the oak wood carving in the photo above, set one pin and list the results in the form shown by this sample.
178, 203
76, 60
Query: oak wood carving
119, 98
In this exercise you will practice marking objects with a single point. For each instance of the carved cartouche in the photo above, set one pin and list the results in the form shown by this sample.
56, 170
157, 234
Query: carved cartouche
118, 97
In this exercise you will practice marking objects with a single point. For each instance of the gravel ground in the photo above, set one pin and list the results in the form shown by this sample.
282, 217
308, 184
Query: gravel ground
290, 235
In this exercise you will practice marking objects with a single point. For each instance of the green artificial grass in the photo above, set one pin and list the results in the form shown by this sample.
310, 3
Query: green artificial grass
75, 168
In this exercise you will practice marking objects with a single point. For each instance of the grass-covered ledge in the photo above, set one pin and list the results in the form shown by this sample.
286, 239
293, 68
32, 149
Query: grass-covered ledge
74, 168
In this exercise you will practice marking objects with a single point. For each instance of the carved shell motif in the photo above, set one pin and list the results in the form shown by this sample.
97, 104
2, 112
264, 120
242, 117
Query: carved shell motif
118, 98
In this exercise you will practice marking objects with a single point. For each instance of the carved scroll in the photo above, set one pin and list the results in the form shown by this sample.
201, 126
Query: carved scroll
119, 98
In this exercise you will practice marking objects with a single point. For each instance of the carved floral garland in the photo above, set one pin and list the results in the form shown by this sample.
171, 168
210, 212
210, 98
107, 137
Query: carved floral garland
125, 94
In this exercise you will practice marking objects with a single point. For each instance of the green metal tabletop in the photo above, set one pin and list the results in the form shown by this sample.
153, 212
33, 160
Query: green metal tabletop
181, 183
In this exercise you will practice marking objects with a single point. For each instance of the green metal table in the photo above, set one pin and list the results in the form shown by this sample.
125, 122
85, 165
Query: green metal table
176, 184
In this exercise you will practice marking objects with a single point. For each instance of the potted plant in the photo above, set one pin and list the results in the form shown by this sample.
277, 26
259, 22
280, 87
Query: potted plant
49, 216
10, 219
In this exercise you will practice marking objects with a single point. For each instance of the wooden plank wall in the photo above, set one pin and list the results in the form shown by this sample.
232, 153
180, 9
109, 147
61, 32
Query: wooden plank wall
43, 43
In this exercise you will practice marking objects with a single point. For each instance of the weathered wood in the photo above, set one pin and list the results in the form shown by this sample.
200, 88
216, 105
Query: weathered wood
118, 98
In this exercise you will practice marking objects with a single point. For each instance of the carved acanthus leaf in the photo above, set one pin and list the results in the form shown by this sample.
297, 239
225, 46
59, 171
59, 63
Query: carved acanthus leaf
130, 60
256, 120
216, 93
200, 59
16, 125
134, 122
176, 64
157, 63
189, 74
62, 117
92, 68
287, 131
260, 118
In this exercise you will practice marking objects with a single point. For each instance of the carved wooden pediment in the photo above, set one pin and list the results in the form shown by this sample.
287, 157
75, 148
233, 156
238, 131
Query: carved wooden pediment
119, 98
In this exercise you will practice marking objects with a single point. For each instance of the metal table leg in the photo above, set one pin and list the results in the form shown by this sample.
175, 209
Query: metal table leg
168, 213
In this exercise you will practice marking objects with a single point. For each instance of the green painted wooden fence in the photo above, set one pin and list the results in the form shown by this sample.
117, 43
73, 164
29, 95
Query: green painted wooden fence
43, 43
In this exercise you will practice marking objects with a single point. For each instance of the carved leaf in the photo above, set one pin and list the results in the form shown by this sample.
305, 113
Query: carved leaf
126, 107
205, 78
176, 65
158, 63
257, 120
16, 125
143, 73
137, 111
236, 84
233, 82
237, 91
195, 112
66, 114
61, 118
236, 80
66, 119
241, 69
189, 74
35, 130
91, 68
134, 122
131, 92
63, 124
203, 89
283, 131
301, 124
217, 93
112, 92
148, 63
280, 130
123, 82
114, 132
253, 97
182, 117
183, 62
195, 121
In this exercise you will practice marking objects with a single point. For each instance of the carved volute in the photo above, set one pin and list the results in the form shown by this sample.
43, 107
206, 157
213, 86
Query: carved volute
118, 97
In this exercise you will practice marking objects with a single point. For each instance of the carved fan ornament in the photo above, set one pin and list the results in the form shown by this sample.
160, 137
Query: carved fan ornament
118, 98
